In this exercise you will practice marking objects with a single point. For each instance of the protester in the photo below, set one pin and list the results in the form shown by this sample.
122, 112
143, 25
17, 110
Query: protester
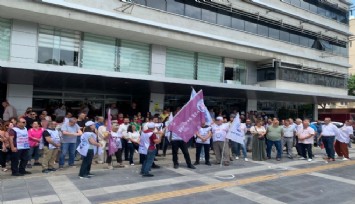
51, 145
147, 149
289, 132
88, 148
176, 144
9, 111
306, 139
220, 143
70, 132
237, 147
248, 135
116, 137
274, 134
4, 144
133, 142
35, 138
103, 135
298, 125
19, 143
343, 139
258, 150
123, 130
203, 136
329, 131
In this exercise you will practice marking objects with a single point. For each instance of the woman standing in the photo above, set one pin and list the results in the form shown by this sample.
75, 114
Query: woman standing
258, 151
204, 135
133, 142
4, 144
34, 136
88, 148
115, 137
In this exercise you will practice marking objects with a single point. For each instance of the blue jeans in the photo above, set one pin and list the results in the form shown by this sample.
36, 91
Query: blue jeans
329, 145
67, 147
269, 145
147, 164
236, 149
34, 151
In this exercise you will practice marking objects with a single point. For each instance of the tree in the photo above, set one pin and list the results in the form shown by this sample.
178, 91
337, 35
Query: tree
351, 85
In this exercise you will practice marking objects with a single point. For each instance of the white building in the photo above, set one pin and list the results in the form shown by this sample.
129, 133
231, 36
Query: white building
244, 53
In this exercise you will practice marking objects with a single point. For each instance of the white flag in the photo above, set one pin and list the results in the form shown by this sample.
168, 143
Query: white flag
235, 132
193, 93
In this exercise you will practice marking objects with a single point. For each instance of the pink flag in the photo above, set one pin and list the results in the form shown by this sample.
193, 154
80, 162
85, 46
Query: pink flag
189, 118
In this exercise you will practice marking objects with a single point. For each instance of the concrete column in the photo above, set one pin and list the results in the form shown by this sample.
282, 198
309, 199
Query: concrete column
252, 105
158, 60
23, 42
20, 96
156, 105
315, 112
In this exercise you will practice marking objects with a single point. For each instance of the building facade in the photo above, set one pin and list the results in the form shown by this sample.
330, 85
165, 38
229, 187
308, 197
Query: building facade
245, 54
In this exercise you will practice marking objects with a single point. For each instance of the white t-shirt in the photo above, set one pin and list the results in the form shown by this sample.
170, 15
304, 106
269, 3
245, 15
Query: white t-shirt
116, 136
133, 135
220, 132
344, 134
123, 129
288, 131
175, 137
329, 130
204, 133
302, 133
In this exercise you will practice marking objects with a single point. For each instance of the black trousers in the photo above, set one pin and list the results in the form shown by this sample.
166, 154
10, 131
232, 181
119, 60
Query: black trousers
3, 156
198, 152
306, 148
176, 144
298, 147
86, 164
165, 145
118, 155
125, 149
19, 161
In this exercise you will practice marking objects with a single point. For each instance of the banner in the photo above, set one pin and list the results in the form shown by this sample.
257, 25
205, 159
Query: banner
208, 118
112, 146
235, 133
189, 118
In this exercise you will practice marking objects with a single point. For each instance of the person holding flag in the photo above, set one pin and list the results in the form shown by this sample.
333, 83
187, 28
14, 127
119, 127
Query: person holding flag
115, 147
176, 144
148, 149
220, 142
236, 134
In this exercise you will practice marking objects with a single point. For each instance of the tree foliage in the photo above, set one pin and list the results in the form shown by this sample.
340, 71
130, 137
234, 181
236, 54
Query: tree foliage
351, 85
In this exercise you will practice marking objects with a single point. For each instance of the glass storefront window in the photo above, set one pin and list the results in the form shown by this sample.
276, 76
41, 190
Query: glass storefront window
209, 68
180, 64
234, 71
134, 57
5, 36
58, 46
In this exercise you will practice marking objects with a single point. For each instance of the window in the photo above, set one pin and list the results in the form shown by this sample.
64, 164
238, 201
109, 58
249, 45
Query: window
193, 10
209, 68
58, 46
304, 41
294, 38
296, 3
234, 71
5, 36
274, 32
158, 4
180, 64
263, 30
134, 57
142, 2
99, 52
238, 22
175, 6
209, 14
284, 35
224, 18
266, 74
251, 26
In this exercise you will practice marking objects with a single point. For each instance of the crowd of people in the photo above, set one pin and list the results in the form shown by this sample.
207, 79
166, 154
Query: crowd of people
29, 137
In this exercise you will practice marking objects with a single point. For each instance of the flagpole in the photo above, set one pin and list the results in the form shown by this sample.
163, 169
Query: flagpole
224, 145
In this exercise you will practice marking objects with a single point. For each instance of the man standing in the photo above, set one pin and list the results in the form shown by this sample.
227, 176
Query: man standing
343, 139
51, 145
329, 131
287, 140
274, 135
248, 135
81, 122
148, 140
123, 130
19, 144
298, 126
176, 143
305, 139
9, 111
220, 142
70, 132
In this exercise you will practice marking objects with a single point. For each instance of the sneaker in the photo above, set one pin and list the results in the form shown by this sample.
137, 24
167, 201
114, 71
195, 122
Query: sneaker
290, 157
278, 159
29, 166
310, 160
302, 158
110, 167
37, 164
196, 163
26, 172
17, 174
236, 158
346, 159
132, 164
91, 175
72, 166
52, 169
147, 175
84, 177
176, 166
45, 171
208, 163
156, 167
246, 159
191, 167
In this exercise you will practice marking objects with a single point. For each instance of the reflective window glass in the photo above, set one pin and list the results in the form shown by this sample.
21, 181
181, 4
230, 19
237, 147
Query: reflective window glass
274, 32
193, 10
175, 6
224, 18
5, 37
158, 4
304, 41
142, 2
250, 26
294, 38
209, 14
284, 35
238, 22
263, 30
296, 3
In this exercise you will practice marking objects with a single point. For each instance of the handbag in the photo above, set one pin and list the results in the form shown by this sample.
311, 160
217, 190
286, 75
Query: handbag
258, 135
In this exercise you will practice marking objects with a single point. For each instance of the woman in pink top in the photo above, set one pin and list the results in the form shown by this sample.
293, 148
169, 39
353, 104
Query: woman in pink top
34, 136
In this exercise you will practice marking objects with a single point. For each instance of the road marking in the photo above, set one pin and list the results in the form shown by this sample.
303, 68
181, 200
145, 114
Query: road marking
334, 178
255, 197
66, 190
222, 185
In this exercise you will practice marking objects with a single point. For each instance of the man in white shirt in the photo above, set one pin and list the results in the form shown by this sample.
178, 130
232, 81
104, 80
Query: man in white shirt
9, 111
306, 139
343, 139
298, 125
289, 133
329, 131
123, 129
219, 133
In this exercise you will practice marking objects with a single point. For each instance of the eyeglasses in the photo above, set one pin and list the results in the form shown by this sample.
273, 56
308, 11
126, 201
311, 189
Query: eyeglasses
23, 122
